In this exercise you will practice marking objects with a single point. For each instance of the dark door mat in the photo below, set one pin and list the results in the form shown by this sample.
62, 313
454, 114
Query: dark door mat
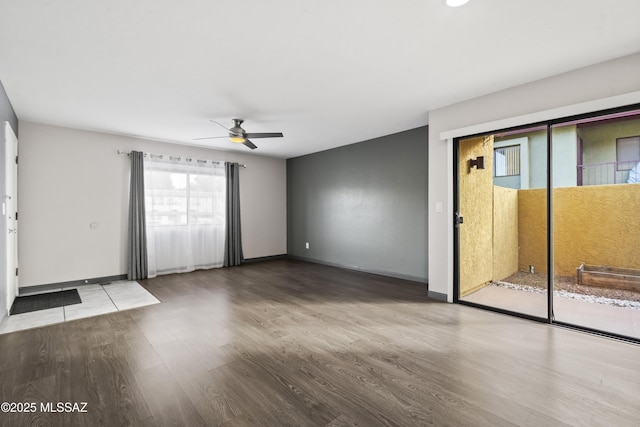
29, 303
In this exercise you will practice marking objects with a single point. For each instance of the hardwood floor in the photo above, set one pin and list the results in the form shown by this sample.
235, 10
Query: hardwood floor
291, 343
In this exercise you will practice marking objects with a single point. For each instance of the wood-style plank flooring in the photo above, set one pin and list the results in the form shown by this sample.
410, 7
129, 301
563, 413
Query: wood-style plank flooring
284, 342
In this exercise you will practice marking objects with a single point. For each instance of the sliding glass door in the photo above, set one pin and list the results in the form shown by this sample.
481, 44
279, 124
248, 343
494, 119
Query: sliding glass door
502, 222
596, 217
547, 221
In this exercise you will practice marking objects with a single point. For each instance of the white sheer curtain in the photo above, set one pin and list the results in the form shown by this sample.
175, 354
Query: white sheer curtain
185, 214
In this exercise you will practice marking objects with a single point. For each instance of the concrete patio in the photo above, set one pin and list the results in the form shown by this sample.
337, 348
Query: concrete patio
606, 318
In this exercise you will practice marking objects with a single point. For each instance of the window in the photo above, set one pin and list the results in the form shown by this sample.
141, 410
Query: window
506, 161
627, 152
185, 202
183, 197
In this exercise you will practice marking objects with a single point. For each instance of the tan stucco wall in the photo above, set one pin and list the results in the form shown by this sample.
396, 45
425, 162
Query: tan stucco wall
532, 229
505, 232
476, 207
595, 225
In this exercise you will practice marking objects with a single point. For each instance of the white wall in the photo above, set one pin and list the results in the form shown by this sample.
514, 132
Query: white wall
576, 92
69, 178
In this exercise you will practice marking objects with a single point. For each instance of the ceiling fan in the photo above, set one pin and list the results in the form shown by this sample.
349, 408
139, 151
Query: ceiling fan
238, 135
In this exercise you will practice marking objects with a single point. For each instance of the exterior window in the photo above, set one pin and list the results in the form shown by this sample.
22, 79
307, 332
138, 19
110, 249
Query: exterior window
627, 152
184, 198
506, 161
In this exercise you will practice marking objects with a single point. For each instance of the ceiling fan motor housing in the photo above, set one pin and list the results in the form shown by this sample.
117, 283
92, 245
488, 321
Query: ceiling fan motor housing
237, 130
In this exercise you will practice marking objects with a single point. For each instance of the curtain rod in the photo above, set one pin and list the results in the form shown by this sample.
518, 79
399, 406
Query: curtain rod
128, 152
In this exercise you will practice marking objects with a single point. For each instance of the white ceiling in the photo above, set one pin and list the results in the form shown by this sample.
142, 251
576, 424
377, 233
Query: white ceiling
326, 73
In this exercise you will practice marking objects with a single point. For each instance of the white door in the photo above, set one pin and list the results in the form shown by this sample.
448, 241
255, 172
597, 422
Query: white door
10, 211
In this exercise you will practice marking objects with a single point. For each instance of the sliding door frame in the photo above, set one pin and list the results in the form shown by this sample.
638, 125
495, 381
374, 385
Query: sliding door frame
456, 228
550, 319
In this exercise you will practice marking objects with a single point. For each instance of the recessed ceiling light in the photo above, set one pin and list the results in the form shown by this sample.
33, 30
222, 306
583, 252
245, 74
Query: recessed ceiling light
455, 3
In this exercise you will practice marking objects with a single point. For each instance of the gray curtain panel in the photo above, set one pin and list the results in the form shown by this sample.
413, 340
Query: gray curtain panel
138, 268
233, 236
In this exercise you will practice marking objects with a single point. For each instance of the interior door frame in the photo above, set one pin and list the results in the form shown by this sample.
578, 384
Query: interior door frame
10, 211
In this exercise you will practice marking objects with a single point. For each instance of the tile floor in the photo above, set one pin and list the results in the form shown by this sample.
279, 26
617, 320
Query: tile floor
96, 300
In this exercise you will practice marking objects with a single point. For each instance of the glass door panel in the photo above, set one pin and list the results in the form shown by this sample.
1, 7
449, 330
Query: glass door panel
502, 225
596, 222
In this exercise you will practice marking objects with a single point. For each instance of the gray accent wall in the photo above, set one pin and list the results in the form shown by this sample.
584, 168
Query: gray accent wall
6, 114
362, 206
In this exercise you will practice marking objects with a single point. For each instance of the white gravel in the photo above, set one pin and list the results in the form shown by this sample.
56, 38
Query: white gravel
564, 294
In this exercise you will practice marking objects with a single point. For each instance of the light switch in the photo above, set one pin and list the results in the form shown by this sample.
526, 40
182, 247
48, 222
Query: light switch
93, 225
438, 206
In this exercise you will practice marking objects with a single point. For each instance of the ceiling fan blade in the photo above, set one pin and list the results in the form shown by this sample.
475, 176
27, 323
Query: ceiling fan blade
210, 137
250, 144
264, 135
221, 125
